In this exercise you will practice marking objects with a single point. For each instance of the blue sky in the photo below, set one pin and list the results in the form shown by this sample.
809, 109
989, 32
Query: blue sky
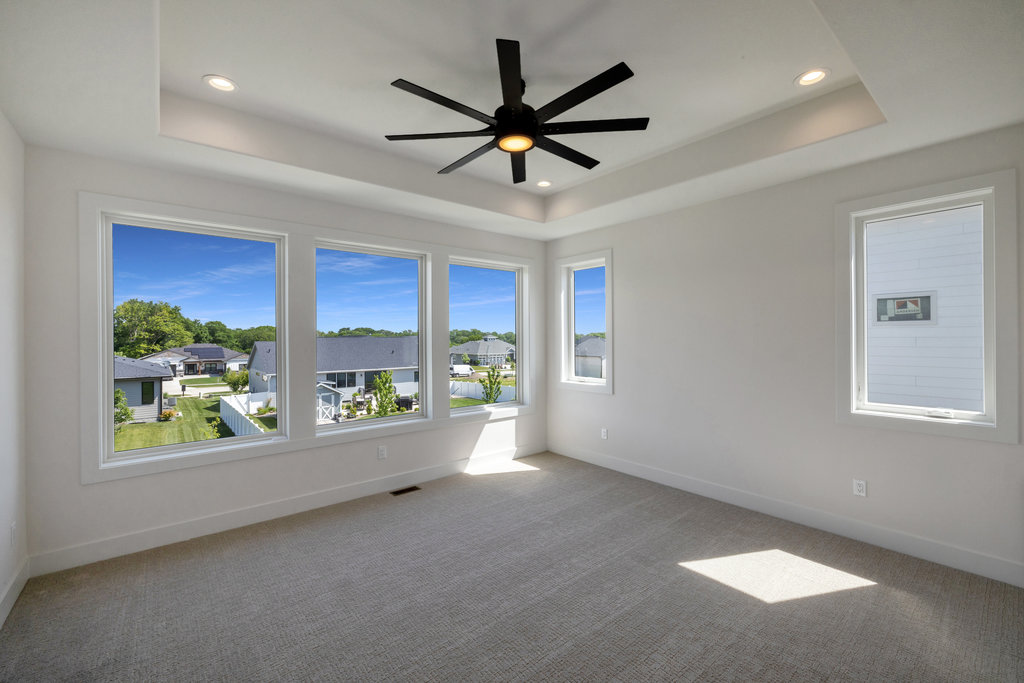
232, 280
211, 278
481, 298
589, 303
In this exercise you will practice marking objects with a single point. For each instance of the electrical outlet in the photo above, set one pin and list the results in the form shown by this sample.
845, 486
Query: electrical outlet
860, 487
604, 433
382, 452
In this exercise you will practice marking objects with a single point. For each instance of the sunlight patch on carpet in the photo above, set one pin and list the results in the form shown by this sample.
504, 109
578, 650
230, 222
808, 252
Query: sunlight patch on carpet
775, 576
496, 466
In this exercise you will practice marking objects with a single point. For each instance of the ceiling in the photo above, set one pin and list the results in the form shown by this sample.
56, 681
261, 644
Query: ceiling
122, 79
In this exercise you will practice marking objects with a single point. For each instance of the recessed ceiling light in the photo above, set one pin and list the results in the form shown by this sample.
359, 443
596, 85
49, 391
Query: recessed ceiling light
543, 183
813, 76
219, 82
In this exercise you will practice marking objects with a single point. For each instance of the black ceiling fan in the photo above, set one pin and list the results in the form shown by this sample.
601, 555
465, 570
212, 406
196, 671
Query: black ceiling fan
516, 127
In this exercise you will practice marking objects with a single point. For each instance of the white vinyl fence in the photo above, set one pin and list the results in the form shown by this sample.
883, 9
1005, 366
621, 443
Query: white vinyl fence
233, 411
476, 390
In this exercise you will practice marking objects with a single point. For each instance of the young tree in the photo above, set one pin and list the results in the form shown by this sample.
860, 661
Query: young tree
122, 413
491, 384
236, 380
465, 359
384, 392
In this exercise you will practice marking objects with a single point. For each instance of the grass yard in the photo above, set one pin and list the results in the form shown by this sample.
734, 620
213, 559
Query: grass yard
267, 423
464, 402
201, 380
196, 415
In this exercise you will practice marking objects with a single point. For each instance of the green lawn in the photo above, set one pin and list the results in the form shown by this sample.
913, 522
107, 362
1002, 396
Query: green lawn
267, 423
463, 402
196, 414
201, 380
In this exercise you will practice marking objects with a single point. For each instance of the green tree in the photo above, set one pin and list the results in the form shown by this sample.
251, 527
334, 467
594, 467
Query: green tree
122, 413
199, 333
491, 384
142, 327
465, 359
384, 394
222, 335
246, 338
236, 380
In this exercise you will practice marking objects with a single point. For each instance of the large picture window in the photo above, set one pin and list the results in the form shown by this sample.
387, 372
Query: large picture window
586, 321
368, 351
483, 314
930, 300
188, 307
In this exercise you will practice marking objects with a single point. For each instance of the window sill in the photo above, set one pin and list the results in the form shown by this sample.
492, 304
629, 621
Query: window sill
936, 426
603, 387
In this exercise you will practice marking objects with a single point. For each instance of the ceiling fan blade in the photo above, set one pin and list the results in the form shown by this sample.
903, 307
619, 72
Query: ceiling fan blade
511, 72
567, 153
486, 147
597, 126
435, 136
595, 86
405, 85
518, 166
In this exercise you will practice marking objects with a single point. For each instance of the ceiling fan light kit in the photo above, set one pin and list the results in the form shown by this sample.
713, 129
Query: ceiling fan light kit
516, 127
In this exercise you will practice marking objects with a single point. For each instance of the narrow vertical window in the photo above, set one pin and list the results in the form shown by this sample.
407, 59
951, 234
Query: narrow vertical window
927, 309
483, 305
586, 320
187, 304
368, 351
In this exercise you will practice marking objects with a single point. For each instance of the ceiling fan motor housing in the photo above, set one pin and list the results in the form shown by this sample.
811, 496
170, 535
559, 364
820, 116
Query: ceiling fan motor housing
512, 122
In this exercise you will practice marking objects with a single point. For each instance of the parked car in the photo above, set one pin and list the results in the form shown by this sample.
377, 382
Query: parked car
460, 370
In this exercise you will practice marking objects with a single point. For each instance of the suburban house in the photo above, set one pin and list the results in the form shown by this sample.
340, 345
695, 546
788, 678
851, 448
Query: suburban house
817, 476
590, 357
142, 383
199, 359
344, 365
487, 351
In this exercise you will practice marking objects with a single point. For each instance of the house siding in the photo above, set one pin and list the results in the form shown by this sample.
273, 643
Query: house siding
133, 393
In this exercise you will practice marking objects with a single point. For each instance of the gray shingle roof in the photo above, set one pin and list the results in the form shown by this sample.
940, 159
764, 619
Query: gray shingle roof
591, 346
346, 354
133, 368
490, 346
203, 352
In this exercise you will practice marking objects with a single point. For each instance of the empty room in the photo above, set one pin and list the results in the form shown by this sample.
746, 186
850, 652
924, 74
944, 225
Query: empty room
511, 341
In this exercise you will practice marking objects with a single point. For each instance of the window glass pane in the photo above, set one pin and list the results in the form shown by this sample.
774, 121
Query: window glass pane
188, 309
482, 339
924, 325
588, 301
367, 347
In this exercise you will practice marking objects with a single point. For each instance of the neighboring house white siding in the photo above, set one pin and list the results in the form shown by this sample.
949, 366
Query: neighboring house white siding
240, 363
589, 366
404, 381
133, 393
938, 362
260, 383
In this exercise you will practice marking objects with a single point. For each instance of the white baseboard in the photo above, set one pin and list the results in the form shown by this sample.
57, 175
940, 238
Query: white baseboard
104, 549
972, 561
13, 589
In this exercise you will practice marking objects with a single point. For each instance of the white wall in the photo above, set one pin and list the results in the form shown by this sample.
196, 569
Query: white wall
72, 523
738, 293
13, 556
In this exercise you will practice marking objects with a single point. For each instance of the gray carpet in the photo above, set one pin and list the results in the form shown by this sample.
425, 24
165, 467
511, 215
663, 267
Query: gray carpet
564, 573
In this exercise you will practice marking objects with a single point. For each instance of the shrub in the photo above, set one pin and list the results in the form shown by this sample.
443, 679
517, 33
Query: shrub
168, 415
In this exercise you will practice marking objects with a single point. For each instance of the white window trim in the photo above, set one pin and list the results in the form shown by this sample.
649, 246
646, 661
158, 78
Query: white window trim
423, 333
523, 364
295, 338
1000, 422
566, 267
97, 214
